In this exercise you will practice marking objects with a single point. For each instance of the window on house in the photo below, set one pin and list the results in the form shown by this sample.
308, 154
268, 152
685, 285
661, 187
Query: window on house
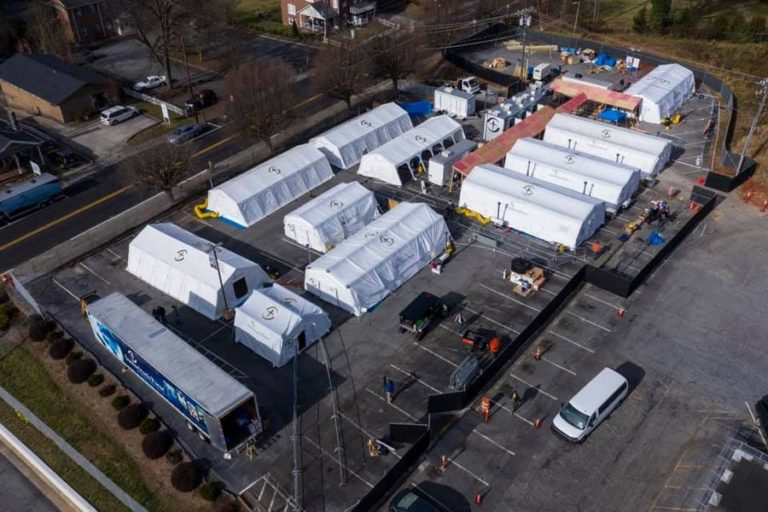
292, 9
291, 21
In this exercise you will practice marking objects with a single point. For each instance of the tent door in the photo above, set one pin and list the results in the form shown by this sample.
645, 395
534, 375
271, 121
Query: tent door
302, 341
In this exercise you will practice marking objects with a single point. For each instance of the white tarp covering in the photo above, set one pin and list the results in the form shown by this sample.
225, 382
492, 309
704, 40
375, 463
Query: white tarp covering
613, 183
332, 216
182, 265
663, 91
345, 144
540, 209
365, 268
646, 152
400, 159
276, 323
253, 195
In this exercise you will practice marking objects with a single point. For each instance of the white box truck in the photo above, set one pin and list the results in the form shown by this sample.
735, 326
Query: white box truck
542, 72
454, 102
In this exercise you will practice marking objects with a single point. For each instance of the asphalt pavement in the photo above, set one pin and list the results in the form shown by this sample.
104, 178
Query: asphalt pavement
18, 494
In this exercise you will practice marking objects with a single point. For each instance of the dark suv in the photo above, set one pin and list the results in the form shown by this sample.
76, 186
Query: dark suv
418, 315
201, 99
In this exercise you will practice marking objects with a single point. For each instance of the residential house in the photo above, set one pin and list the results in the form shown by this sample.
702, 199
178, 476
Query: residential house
46, 85
86, 21
316, 15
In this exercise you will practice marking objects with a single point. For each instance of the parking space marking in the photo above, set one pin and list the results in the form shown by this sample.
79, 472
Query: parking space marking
417, 379
511, 298
491, 320
113, 253
65, 289
371, 436
496, 444
510, 411
556, 365
601, 301
89, 269
422, 347
553, 333
452, 462
539, 390
609, 230
454, 331
406, 413
214, 333
590, 322
334, 459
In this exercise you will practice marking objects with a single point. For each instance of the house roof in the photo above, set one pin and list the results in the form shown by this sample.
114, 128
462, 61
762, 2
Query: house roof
47, 76
12, 142
318, 11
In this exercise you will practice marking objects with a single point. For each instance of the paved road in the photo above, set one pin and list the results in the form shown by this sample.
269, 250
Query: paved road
17, 494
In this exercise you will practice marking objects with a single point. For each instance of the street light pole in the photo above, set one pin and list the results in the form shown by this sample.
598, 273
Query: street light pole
576, 21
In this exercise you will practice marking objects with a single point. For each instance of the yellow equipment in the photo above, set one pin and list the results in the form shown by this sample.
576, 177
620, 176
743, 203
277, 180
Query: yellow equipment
676, 118
202, 214
473, 215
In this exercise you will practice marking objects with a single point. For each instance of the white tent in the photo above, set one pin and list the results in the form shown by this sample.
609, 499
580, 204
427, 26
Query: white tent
277, 324
613, 183
366, 267
648, 153
663, 91
332, 216
400, 159
182, 265
540, 209
345, 144
253, 195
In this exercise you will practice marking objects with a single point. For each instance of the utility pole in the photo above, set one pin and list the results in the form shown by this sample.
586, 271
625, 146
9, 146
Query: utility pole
189, 76
524, 21
594, 13
576, 20
298, 469
762, 90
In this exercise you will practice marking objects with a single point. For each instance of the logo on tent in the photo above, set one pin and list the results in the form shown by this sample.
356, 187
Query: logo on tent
371, 234
335, 203
528, 190
289, 300
274, 170
420, 138
269, 313
606, 134
386, 240
493, 125
180, 255
365, 123
569, 159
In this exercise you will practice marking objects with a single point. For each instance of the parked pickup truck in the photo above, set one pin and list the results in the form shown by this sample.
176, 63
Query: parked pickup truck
418, 315
30, 194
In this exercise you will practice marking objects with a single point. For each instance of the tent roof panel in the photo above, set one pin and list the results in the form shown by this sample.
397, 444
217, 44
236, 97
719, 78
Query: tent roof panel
361, 125
402, 148
608, 133
328, 204
660, 81
278, 309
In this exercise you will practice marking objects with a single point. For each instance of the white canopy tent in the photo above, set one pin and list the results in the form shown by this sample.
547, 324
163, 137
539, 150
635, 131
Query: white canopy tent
646, 152
663, 91
540, 209
400, 159
613, 183
345, 144
253, 195
332, 216
278, 324
366, 267
182, 265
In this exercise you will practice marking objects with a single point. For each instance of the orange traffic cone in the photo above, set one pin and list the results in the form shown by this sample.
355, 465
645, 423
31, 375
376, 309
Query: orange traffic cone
537, 423
620, 312
538, 354
443, 462
478, 498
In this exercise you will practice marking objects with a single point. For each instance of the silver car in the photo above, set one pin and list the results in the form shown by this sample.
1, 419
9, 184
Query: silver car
185, 133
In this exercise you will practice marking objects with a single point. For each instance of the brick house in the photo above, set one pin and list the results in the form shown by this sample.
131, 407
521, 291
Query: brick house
314, 15
86, 21
51, 87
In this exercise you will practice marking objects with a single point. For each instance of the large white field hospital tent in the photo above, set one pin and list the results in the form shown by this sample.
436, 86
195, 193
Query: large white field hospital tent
540, 209
613, 183
399, 160
345, 144
277, 324
332, 216
646, 152
663, 91
183, 266
250, 197
366, 267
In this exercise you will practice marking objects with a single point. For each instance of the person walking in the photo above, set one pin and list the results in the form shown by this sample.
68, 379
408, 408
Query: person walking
389, 388
459, 321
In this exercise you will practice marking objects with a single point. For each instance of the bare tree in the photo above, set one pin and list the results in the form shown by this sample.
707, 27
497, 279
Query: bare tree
341, 68
394, 54
44, 31
160, 167
441, 16
261, 98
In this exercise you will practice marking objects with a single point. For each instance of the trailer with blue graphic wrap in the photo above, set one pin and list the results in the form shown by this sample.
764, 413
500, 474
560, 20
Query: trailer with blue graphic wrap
29, 194
212, 402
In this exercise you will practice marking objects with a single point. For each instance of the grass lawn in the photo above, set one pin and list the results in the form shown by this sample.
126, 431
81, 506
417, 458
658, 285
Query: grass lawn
25, 378
248, 13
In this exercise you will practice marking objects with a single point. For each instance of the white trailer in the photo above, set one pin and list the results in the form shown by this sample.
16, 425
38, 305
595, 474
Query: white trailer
454, 102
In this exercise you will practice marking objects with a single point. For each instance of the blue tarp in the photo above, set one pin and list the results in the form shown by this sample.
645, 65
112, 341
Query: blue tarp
417, 108
603, 59
613, 116
655, 238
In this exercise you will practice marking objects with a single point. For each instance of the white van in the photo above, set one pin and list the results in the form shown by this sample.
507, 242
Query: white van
584, 412
118, 114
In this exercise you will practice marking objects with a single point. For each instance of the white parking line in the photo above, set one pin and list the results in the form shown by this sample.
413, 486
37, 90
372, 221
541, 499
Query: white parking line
89, 269
589, 322
494, 442
609, 230
454, 331
553, 397
368, 434
65, 289
452, 462
553, 333
601, 301
113, 253
214, 333
422, 347
392, 404
511, 298
334, 459
513, 413
410, 375
491, 320
558, 366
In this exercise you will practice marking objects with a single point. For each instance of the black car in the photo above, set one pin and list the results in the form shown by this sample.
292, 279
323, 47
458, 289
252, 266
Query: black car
413, 500
201, 99
64, 158
417, 315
